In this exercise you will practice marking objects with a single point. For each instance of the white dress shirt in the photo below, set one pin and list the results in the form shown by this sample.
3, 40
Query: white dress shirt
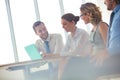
55, 43
77, 44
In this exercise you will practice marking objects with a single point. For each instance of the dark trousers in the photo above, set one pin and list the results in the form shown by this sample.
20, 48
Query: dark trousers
79, 68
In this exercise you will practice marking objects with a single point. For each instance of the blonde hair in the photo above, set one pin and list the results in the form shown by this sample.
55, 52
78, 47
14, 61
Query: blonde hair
94, 12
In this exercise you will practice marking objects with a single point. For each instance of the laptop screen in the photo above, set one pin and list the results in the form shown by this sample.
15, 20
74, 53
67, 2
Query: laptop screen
32, 51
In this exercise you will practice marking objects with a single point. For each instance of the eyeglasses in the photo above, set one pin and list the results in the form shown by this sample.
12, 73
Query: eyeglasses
82, 14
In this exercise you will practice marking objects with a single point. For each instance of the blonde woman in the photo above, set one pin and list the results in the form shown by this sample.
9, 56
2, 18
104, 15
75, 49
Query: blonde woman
90, 13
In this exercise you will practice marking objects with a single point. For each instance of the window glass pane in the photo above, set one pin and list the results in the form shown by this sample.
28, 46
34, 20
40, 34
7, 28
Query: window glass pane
93, 1
23, 14
51, 15
72, 7
6, 50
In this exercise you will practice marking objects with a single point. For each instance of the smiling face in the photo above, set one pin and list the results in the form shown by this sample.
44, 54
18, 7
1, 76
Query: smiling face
68, 26
85, 18
90, 13
41, 31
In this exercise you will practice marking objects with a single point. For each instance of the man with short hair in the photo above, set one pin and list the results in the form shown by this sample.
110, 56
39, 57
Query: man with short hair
111, 64
114, 27
50, 45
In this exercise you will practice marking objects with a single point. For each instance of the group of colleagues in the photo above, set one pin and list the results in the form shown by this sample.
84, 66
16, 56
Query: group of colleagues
88, 56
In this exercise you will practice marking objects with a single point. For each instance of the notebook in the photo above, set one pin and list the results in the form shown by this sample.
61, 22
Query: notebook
32, 51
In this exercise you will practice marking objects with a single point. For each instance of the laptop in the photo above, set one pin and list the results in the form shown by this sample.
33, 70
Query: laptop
32, 51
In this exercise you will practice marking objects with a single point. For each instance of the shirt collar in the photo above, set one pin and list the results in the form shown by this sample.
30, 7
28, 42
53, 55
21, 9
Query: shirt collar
76, 33
48, 38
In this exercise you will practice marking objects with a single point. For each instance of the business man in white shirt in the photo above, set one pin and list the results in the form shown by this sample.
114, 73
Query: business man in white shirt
55, 44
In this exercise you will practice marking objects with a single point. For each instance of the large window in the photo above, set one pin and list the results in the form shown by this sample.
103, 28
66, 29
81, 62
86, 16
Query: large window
23, 15
50, 14
6, 50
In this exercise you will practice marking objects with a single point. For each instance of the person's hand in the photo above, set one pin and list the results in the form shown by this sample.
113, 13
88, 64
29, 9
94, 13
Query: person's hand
99, 57
47, 55
44, 54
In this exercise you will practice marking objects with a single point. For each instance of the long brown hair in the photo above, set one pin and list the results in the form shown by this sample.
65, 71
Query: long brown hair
94, 12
